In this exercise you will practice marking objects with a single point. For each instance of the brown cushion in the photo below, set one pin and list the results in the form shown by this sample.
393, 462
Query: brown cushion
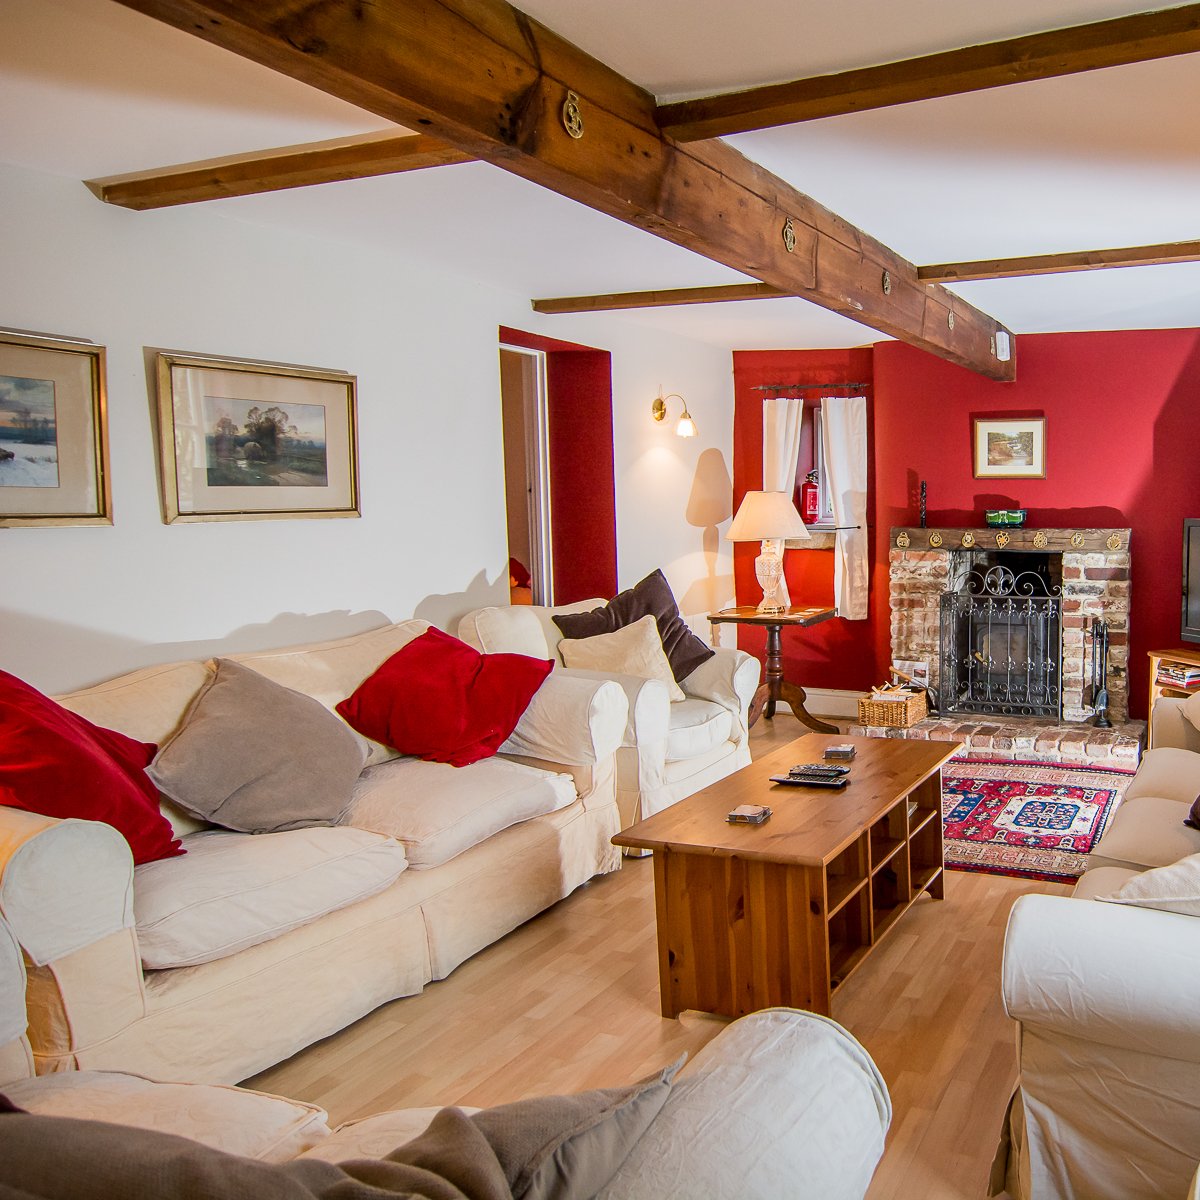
1193, 817
257, 757
684, 650
569, 1147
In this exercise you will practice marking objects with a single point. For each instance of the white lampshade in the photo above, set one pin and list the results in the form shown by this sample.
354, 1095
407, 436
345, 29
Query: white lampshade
766, 516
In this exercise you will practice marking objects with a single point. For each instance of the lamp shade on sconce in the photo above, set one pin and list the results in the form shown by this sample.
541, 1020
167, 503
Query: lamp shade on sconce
686, 427
766, 516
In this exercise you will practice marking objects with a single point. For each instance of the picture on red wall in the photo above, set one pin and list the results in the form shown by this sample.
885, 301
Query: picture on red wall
1010, 449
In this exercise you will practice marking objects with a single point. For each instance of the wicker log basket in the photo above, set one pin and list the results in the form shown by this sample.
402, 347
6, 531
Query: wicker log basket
894, 705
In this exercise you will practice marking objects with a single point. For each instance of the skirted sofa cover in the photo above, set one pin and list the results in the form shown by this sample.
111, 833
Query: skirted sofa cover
211, 966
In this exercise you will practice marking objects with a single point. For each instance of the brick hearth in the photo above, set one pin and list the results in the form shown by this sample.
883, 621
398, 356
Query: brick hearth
1095, 583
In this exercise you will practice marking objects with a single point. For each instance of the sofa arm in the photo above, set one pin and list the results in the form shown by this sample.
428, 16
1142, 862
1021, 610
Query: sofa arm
1169, 727
648, 705
780, 1103
730, 679
66, 888
1111, 974
571, 720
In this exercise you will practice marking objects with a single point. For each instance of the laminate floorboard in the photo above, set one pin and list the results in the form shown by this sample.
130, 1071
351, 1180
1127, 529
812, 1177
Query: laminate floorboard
570, 1001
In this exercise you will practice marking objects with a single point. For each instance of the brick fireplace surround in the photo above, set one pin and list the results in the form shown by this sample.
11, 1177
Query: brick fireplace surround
1095, 583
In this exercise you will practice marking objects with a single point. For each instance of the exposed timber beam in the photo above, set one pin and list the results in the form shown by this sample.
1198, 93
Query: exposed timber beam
990, 268
276, 170
486, 78
1055, 264
721, 294
1137, 38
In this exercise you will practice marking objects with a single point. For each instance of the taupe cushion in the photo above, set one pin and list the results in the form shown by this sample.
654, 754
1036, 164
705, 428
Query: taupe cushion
1167, 771
257, 757
635, 649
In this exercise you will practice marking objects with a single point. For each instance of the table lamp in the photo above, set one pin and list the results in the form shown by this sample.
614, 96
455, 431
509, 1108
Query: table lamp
770, 518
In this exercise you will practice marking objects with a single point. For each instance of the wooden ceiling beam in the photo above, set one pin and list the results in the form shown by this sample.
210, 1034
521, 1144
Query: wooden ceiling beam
1054, 264
1147, 35
667, 298
486, 78
276, 170
990, 268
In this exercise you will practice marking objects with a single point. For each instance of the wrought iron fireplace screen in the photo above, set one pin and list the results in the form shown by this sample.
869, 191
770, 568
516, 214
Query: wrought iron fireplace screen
1001, 644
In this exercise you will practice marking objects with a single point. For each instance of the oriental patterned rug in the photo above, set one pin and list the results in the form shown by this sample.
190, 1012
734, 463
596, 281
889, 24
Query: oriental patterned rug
1036, 820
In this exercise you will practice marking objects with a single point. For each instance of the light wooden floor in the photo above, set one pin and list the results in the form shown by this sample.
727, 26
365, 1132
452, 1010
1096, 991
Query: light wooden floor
570, 1001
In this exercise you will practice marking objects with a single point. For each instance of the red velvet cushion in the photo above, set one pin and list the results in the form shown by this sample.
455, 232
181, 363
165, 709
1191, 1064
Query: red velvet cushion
59, 764
440, 699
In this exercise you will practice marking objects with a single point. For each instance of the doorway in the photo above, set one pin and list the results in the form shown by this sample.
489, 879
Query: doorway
560, 488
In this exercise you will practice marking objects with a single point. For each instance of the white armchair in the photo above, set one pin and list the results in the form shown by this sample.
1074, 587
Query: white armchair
669, 750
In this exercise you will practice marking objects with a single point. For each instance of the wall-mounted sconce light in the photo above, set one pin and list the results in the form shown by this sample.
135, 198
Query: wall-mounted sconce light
686, 426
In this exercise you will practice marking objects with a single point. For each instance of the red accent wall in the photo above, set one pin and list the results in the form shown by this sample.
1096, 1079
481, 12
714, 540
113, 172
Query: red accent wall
583, 507
1122, 448
834, 654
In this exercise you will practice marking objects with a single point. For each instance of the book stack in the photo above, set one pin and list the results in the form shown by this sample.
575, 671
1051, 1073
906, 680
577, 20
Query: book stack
1185, 677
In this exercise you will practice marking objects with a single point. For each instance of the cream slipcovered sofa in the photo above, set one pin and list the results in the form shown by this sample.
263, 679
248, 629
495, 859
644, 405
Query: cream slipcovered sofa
215, 964
1106, 997
669, 750
780, 1103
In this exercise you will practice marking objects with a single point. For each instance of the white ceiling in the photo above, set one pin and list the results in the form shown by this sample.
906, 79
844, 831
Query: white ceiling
1110, 158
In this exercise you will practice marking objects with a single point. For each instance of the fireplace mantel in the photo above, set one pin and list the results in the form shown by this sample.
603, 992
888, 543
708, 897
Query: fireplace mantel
1011, 538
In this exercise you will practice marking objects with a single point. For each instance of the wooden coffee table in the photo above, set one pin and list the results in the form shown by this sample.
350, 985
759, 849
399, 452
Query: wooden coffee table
753, 916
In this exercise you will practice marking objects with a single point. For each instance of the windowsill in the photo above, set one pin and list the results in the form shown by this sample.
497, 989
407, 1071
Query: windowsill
819, 539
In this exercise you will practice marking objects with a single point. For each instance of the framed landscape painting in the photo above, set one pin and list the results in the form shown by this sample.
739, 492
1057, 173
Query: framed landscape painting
1010, 449
53, 432
244, 440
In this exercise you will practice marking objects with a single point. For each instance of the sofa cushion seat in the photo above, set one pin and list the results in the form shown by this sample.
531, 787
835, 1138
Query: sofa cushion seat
1167, 771
437, 811
252, 1124
697, 726
1100, 881
234, 890
1147, 831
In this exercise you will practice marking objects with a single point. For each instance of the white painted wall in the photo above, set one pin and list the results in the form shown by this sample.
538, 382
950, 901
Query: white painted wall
80, 604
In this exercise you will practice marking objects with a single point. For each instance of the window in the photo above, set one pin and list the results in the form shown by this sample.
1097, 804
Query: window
824, 498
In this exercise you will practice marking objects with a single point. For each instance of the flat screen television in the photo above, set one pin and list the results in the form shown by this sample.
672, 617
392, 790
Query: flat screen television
1191, 580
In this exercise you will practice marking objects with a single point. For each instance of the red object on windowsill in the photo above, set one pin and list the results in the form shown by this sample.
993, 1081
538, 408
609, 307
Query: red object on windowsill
809, 499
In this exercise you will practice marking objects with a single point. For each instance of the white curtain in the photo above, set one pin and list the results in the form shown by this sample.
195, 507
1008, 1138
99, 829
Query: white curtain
844, 430
782, 418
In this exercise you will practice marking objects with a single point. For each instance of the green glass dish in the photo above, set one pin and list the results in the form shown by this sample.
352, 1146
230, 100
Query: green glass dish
1005, 516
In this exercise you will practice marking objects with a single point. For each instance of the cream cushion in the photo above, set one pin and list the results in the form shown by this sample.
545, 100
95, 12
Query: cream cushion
252, 1124
16, 1058
1173, 889
1191, 709
697, 727
331, 671
437, 811
1099, 881
519, 628
233, 890
1147, 831
1167, 771
634, 650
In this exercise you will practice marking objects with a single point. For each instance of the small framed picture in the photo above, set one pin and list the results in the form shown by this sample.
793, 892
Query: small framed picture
1010, 449
53, 432
246, 441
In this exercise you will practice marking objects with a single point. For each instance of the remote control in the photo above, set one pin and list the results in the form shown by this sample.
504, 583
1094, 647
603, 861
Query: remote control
819, 769
820, 781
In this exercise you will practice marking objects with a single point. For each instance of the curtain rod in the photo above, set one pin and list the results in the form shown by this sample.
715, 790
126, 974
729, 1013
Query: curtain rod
809, 387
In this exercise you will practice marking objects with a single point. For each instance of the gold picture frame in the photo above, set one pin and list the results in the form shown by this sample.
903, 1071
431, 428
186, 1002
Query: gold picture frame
53, 432
1009, 447
241, 440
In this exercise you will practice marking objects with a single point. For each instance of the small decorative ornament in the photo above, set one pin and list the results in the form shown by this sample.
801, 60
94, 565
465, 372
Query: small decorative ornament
903, 540
887, 283
1040, 540
572, 116
1077, 540
950, 319
1114, 541
1002, 539
935, 539
968, 540
789, 235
